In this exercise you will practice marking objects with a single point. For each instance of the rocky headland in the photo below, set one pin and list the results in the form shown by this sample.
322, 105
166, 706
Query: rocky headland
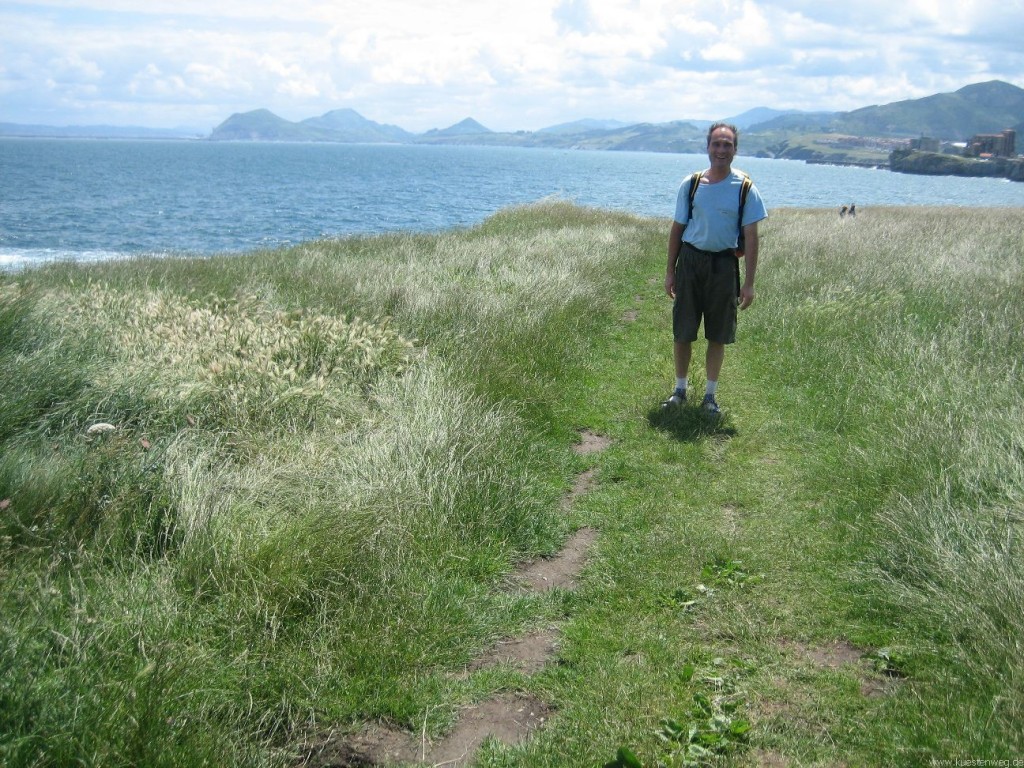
939, 164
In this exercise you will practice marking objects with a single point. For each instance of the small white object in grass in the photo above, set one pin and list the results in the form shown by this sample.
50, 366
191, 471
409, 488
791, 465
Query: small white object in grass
100, 428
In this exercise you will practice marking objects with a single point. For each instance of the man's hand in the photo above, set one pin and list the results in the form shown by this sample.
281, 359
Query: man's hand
670, 285
746, 297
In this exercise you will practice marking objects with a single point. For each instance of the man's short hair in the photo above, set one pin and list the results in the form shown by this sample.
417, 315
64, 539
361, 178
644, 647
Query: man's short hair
731, 127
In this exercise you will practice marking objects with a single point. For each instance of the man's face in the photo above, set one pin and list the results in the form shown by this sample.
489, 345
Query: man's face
722, 147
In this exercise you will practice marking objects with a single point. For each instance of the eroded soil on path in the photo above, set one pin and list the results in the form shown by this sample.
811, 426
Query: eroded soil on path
508, 717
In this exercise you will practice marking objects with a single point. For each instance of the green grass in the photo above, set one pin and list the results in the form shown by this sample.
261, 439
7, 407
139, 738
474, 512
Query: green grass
327, 460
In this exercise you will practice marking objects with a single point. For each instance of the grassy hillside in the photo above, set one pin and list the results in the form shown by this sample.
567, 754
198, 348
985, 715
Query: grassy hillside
835, 149
979, 108
988, 107
325, 465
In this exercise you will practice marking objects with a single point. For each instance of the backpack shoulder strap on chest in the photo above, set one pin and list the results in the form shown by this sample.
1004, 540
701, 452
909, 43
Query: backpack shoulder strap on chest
744, 191
694, 183
740, 239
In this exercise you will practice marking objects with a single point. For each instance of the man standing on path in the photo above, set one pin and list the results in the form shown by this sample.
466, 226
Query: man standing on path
703, 270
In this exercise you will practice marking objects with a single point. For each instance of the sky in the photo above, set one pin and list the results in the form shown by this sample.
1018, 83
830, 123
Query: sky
511, 65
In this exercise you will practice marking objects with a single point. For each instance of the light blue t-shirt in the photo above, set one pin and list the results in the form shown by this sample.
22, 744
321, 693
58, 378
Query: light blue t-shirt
713, 225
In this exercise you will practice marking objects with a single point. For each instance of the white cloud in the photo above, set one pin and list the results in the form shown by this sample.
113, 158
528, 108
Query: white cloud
73, 68
213, 78
152, 84
510, 65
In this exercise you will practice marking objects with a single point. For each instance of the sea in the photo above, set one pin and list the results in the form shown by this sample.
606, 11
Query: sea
89, 199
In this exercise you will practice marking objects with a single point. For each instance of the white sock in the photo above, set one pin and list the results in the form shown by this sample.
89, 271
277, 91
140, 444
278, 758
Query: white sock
682, 383
710, 388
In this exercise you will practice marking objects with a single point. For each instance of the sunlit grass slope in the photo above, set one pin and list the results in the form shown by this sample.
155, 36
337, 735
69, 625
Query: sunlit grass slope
322, 464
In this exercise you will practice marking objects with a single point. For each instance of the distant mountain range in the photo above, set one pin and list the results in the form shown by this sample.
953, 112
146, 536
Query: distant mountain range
348, 126
981, 108
987, 107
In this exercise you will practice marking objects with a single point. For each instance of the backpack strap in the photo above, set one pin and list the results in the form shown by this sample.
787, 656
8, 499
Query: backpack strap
744, 191
694, 183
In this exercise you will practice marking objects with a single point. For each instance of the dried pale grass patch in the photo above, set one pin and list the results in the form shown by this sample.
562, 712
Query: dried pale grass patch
237, 360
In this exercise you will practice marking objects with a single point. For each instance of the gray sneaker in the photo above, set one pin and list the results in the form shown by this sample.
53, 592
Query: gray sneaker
678, 397
710, 405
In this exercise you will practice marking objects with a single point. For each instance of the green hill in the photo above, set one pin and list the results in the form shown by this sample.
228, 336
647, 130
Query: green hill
261, 125
348, 125
980, 108
340, 125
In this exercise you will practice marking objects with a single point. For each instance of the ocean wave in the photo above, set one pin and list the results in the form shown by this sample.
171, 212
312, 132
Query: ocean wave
12, 259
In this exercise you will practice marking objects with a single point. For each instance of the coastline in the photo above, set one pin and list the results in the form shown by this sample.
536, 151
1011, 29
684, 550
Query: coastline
938, 164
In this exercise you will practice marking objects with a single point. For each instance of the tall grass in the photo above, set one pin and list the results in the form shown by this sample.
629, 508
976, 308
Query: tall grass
296, 509
326, 460
903, 333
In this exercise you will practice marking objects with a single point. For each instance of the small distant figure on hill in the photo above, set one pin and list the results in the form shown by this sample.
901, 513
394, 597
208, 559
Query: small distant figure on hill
853, 209
842, 212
